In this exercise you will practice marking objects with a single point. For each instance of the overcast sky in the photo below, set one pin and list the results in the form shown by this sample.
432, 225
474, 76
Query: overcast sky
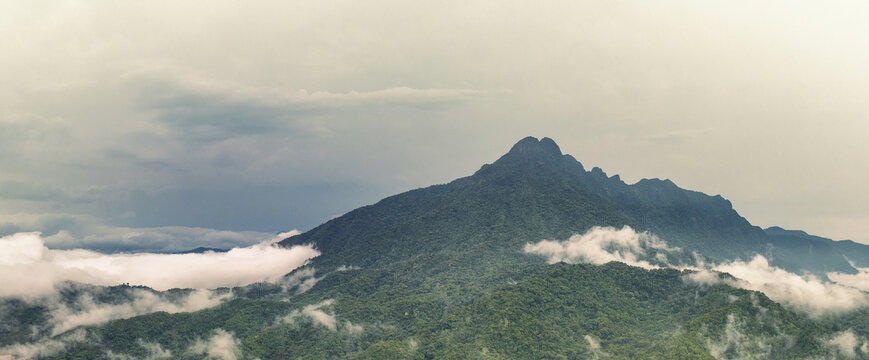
136, 122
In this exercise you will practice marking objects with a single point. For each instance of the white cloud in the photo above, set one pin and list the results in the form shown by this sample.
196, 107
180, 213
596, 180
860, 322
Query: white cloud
805, 293
28, 268
222, 345
601, 245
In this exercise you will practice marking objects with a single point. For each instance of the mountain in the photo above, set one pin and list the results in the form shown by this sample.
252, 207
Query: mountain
441, 273
535, 192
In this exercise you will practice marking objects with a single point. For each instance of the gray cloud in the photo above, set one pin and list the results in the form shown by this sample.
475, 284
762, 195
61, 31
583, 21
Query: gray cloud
213, 110
97, 101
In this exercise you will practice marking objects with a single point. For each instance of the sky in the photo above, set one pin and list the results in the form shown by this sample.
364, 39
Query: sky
161, 126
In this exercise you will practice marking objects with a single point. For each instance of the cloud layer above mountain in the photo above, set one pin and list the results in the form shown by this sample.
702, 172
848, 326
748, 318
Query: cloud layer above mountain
28, 268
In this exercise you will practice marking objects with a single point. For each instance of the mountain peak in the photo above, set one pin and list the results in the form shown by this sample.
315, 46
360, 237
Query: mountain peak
531, 146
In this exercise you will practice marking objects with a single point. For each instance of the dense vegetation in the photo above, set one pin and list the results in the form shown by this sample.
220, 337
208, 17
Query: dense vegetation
439, 273
557, 311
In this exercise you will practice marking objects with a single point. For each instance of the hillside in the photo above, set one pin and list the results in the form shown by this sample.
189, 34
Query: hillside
443, 272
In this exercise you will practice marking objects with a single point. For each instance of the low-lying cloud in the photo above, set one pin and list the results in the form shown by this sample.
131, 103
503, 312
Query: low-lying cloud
803, 292
29, 269
806, 293
601, 245
85, 311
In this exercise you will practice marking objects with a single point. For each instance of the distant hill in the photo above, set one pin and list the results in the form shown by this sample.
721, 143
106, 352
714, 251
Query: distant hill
797, 249
201, 250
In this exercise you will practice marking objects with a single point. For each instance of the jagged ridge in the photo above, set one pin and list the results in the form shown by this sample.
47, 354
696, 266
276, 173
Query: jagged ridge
532, 193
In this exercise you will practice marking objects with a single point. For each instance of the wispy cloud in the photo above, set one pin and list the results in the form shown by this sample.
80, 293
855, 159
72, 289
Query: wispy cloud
318, 315
44, 347
846, 344
84, 310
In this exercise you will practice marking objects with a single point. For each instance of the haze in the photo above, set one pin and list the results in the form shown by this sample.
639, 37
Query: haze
221, 123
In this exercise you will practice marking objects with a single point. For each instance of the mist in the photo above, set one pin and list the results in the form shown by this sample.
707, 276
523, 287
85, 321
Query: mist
86, 311
43, 347
222, 345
